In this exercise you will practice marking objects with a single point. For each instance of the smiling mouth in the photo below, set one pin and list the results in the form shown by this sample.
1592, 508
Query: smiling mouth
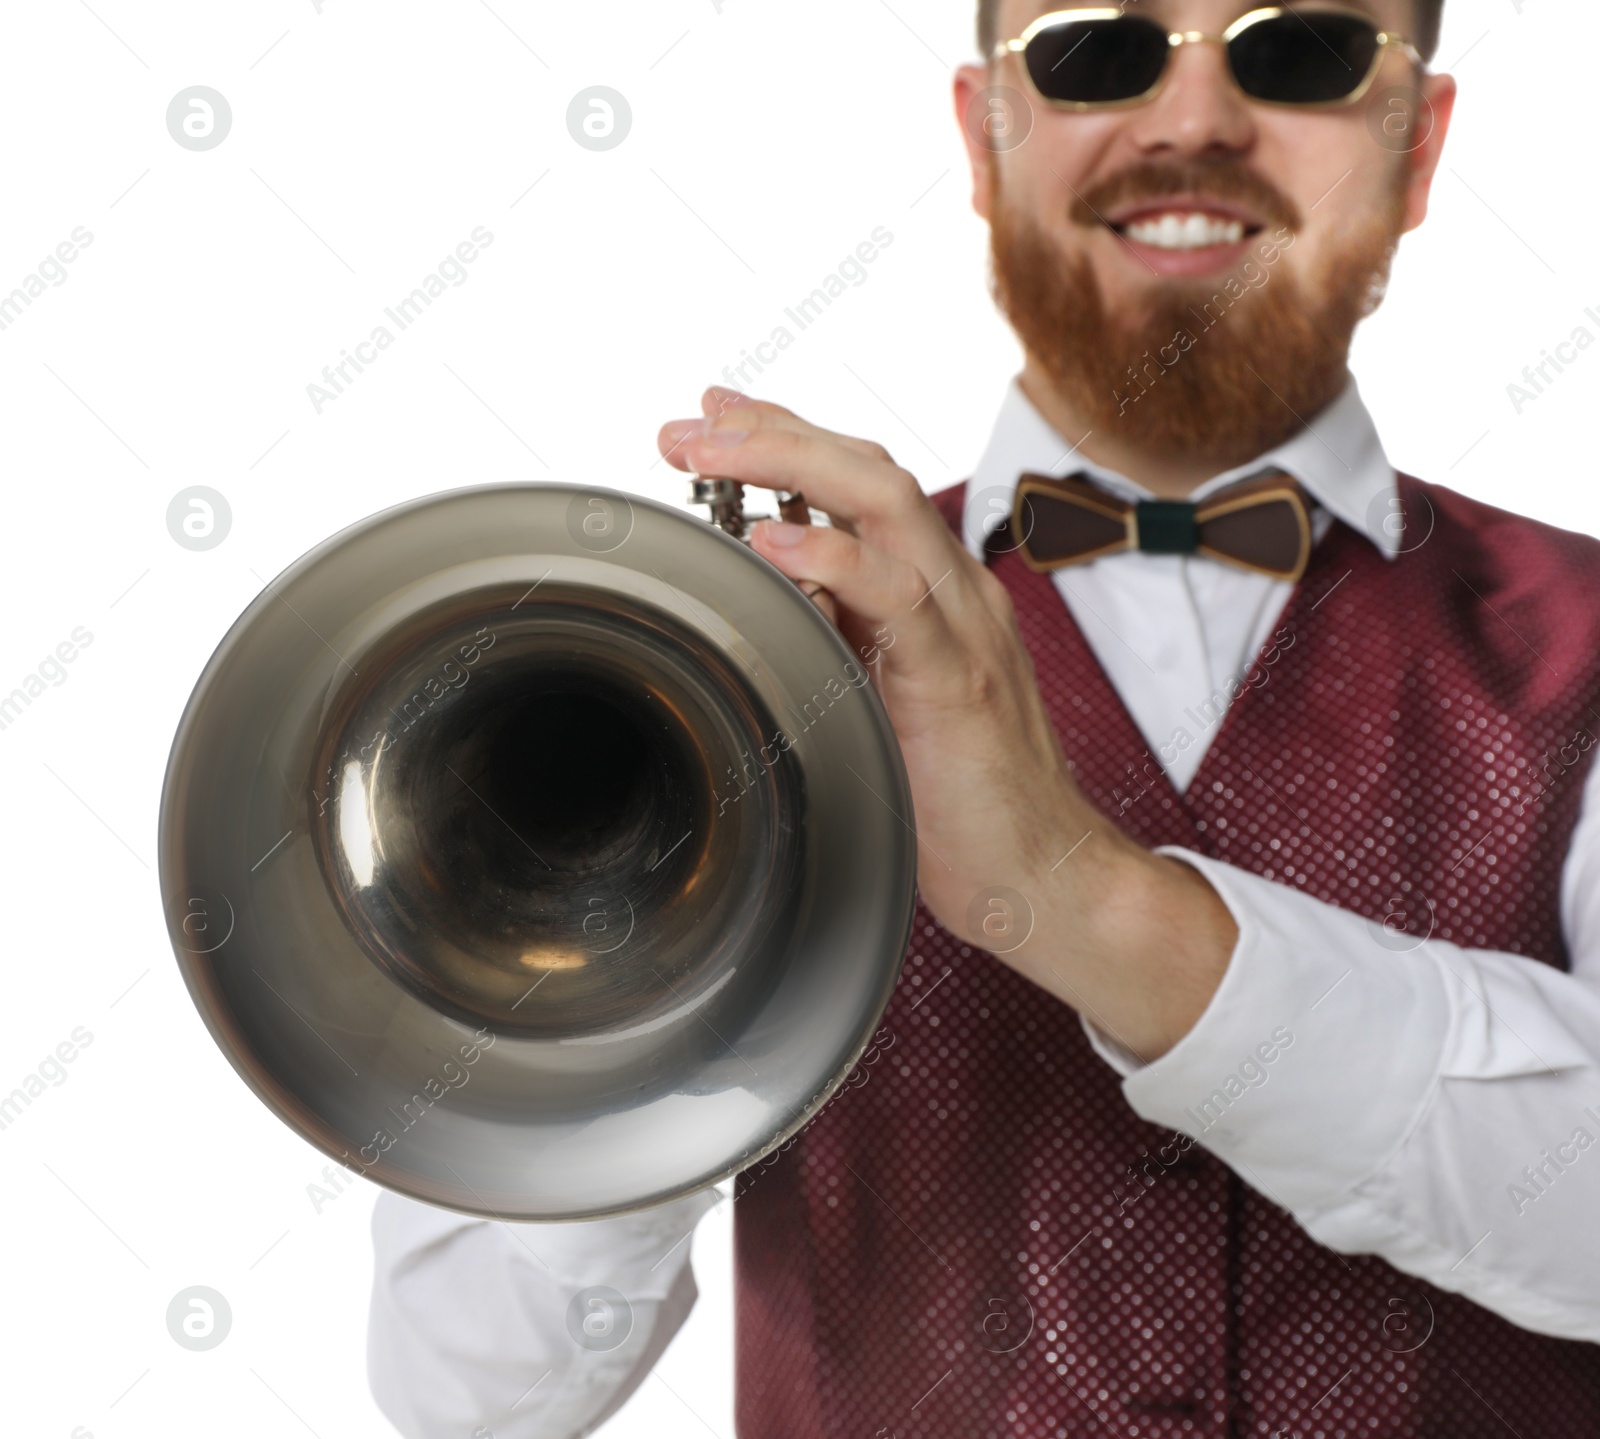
1182, 227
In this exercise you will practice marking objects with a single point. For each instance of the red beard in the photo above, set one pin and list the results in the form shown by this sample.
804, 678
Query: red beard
1217, 370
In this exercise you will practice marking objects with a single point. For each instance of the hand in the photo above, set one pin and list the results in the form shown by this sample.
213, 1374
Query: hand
995, 802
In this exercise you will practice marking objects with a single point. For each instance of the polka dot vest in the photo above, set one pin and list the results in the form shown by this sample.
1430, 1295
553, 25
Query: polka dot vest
978, 1237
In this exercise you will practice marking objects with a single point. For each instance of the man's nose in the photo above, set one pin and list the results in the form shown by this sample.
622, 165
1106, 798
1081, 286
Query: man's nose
1199, 109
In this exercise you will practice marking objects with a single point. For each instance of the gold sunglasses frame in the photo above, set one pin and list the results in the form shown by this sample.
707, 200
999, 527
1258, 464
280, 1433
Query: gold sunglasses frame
1385, 41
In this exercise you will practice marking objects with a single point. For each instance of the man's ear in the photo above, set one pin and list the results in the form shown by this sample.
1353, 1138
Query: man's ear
970, 82
1432, 122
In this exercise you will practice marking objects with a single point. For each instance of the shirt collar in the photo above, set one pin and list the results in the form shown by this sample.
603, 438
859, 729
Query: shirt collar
1338, 458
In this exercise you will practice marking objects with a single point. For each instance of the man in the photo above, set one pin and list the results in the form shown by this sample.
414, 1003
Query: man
1246, 1062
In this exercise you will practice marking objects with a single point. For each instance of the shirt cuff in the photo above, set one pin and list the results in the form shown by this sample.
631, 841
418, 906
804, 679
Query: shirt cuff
471, 1323
1317, 1055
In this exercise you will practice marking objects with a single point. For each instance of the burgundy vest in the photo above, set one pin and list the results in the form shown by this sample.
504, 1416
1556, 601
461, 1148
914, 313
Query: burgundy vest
977, 1236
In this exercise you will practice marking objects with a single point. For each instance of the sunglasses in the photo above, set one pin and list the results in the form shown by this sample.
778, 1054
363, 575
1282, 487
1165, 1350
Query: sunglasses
1092, 59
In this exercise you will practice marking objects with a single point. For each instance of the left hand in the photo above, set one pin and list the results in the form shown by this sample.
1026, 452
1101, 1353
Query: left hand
995, 801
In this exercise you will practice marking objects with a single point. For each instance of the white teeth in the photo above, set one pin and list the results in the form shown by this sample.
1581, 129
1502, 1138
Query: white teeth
1185, 230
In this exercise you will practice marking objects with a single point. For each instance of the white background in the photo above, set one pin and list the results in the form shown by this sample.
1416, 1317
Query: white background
768, 140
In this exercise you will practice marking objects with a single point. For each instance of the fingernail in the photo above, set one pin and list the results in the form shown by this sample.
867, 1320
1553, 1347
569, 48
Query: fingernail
725, 435
727, 396
782, 533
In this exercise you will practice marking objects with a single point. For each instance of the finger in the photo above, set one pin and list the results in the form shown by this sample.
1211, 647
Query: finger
719, 399
715, 399
698, 445
886, 592
675, 434
863, 490
886, 506
822, 598
670, 439
798, 454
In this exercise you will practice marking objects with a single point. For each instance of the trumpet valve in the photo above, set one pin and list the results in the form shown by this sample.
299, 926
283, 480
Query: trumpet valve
726, 498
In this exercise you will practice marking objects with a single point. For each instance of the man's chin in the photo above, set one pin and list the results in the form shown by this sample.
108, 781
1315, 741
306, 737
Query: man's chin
1215, 366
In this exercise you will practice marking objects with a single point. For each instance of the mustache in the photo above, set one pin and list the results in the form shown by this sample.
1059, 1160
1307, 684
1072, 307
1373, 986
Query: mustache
1225, 180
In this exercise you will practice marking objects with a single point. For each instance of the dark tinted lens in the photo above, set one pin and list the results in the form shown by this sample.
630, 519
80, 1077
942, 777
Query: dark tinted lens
1097, 60
1304, 57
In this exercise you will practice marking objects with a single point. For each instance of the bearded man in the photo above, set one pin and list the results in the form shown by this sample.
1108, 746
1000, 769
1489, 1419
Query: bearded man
1246, 1060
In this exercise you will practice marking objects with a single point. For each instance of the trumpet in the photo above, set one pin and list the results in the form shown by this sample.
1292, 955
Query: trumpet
539, 851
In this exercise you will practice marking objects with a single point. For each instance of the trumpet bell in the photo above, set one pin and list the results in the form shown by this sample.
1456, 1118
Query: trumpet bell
539, 852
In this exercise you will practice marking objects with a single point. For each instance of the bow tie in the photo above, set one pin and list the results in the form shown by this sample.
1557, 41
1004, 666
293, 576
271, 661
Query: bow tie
1259, 524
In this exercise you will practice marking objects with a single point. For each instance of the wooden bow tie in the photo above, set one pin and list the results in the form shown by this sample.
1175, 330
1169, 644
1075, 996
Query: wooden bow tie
1259, 524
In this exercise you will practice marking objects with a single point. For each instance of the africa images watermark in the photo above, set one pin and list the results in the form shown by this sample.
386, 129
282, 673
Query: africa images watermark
336, 1178
1142, 1177
1209, 713
336, 378
1403, 926
50, 1070
1253, 675
451, 678
854, 677
1251, 1073
1537, 378
50, 670
1539, 1179
850, 273
860, 1072
52, 269
452, 1075
1212, 312
1555, 764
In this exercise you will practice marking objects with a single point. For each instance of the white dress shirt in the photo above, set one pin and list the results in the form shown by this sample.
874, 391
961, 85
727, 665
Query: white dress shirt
1436, 1107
